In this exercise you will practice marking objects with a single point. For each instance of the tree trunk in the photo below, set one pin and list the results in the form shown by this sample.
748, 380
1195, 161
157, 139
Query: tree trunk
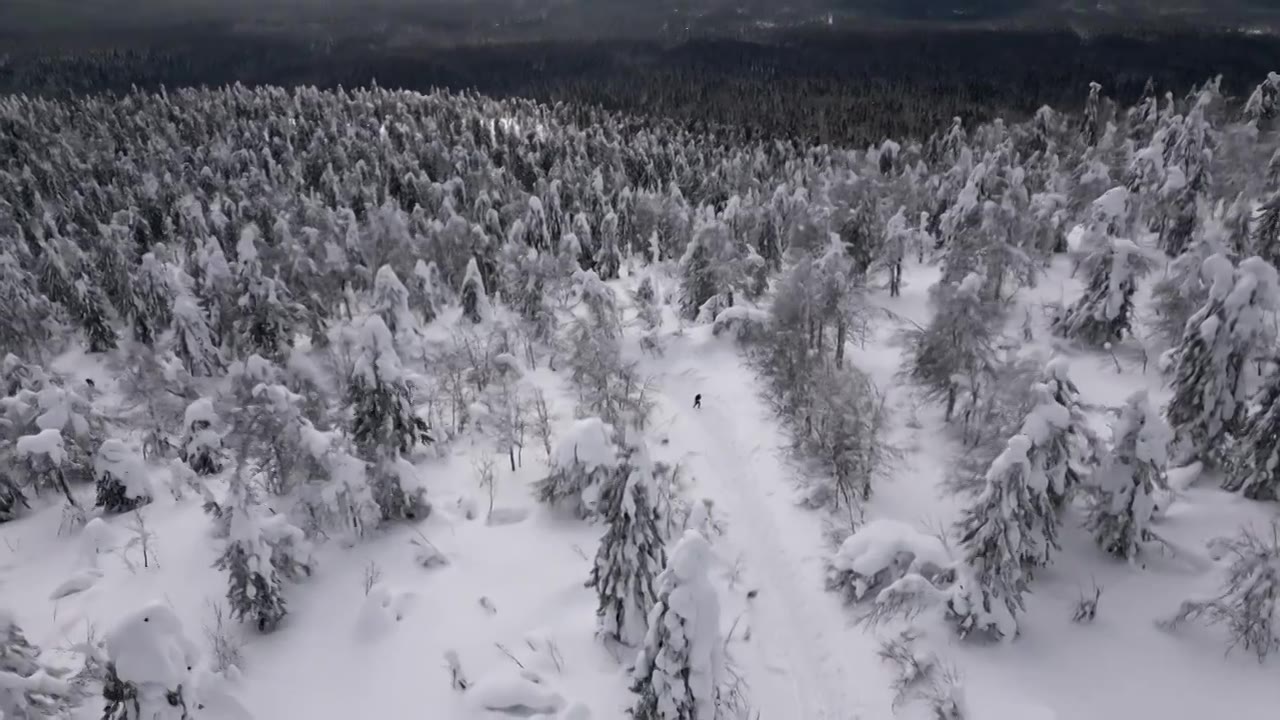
842, 330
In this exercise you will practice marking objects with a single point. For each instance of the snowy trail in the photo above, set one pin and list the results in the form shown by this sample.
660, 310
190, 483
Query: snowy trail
803, 659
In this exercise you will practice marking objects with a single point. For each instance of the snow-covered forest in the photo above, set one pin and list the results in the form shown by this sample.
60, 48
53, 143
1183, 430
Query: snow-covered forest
368, 403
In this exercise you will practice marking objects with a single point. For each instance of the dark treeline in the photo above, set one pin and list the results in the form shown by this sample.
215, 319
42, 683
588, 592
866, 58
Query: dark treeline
847, 88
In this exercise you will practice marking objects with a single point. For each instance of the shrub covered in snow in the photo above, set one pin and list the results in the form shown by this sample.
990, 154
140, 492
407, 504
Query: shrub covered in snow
201, 446
583, 460
742, 323
1248, 603
30, 689
881, 552
122, 478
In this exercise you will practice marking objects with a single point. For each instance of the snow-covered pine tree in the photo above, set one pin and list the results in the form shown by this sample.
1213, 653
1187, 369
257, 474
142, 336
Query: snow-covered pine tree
1265, 231
391, 301
424, 291
1214, 361
680, 665
151, 306
897, 237
121, 478
265, 312
30, 689
1122, 490
260, 550
193, 338
26, 321
631, 554
474, 298
1003, 535
609, 257
201, 447
1063, 445
1264, 104
1091, 124
952, 355
63, 276
707, 267
1255, 470
383, 423
1113, 266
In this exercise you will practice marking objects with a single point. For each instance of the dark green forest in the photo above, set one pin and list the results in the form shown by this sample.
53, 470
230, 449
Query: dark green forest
837, 87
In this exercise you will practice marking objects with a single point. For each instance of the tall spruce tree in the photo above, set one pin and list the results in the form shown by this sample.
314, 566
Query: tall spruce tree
384, 426
631, 553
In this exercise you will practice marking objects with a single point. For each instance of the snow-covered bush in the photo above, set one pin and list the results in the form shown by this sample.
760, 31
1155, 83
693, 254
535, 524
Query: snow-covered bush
880, 553
149, 660
122, 478
744, 324
201, 447
584, 459
921, 676
1248, 603
680, 664
29, 688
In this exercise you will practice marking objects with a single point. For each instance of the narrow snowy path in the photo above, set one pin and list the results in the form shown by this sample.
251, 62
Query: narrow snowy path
802, 660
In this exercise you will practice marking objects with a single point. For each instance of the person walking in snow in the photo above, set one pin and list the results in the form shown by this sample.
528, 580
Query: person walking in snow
697, 402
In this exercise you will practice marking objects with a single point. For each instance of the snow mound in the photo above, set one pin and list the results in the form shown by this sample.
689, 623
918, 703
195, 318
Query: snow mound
742, 323
47, 442
382, 608
1181, 478
588, 442
200, 411
77, 583
149, 647
96, 538
522, 694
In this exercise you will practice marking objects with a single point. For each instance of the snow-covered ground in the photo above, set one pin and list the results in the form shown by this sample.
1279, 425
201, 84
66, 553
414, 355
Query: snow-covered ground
373, 634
